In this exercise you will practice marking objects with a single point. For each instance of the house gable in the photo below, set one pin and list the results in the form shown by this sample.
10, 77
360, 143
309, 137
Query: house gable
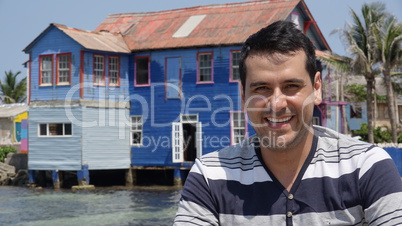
51, 43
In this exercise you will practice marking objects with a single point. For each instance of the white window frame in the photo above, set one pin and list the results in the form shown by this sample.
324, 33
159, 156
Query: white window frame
46, 69
205, 66
48, 134
186, 118
136, 127
114, 70
63, 69
236, 117
234, 62
178, 141
99, 69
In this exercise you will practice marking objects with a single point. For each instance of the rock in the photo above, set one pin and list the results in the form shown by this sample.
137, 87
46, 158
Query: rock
21, 179
9, 170
83, 187
3, 177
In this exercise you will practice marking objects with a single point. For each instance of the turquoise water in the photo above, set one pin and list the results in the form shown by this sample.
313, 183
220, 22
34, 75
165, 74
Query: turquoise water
103, 206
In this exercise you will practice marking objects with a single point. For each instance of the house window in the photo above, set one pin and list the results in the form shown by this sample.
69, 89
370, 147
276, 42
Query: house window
355, 111
234, 69
114, 71
190, 118
136, 130
205, 67
316, 121
63, 69
99, 70
46, 70
295, 18
238, 125
142, 71
55, 129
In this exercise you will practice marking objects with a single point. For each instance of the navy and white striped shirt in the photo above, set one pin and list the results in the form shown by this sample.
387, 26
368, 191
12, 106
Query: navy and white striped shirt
342, 182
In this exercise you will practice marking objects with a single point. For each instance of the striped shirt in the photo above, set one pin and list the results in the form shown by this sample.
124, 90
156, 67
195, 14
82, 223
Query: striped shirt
342, 182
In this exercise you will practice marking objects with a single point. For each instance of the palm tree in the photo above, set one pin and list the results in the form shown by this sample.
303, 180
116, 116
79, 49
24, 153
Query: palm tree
13, 91
389, 37
359, 36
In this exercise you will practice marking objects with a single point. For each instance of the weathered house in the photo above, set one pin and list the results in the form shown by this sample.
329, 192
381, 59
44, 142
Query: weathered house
13, 126
357, 111
173, 74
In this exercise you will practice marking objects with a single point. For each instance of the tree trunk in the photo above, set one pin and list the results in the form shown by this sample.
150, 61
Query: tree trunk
391, 104
370, 82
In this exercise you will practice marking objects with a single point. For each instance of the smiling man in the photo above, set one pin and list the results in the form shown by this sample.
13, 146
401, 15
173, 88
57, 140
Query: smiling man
290, 172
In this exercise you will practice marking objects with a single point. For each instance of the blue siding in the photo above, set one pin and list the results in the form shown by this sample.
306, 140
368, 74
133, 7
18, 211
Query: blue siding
355, 123
396, 155
54, 42
212, 103
53, 153
105, 143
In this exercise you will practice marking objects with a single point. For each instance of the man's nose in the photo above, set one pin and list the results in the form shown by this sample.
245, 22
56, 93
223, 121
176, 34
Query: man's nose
277, 101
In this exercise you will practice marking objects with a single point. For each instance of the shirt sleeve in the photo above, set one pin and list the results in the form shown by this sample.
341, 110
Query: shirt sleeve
380, 188
196, 206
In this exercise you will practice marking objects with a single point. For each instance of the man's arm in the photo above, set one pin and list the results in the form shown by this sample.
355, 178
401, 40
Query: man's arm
197, 205
381, 188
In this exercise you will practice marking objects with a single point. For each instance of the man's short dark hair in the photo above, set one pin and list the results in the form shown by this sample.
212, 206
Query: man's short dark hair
279, 37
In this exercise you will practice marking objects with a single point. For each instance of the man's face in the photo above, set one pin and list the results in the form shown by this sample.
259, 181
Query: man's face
279, 98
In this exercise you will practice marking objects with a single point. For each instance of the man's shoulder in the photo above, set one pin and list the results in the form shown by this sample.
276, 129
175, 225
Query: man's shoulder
330, 138
334, 146
243, 150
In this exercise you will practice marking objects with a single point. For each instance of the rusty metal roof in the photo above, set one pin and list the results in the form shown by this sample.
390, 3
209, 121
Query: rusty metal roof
103, 41
221, 24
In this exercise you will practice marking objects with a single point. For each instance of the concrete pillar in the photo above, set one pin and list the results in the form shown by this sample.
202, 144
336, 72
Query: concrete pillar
56, 179
83, 175
134, 176
129, 178
177, 178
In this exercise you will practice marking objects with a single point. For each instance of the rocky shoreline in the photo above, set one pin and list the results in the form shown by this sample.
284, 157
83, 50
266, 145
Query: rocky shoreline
13, 171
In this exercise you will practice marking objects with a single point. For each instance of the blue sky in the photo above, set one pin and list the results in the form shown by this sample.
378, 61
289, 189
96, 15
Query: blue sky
21, 21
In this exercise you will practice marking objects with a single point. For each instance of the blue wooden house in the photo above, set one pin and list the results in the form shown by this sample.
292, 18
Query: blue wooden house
176, 82
78, 84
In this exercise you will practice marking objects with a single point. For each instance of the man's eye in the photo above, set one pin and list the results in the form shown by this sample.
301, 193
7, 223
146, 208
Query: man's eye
292, 86
261, 88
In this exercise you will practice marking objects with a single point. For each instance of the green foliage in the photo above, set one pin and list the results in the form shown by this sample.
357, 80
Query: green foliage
4, 151
381, 134
11, 90
362, 132
358, 93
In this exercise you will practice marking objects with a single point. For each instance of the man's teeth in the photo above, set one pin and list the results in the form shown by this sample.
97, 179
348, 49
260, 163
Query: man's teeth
278, 120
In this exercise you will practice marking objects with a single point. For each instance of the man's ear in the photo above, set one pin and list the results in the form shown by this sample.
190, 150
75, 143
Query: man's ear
317, 89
